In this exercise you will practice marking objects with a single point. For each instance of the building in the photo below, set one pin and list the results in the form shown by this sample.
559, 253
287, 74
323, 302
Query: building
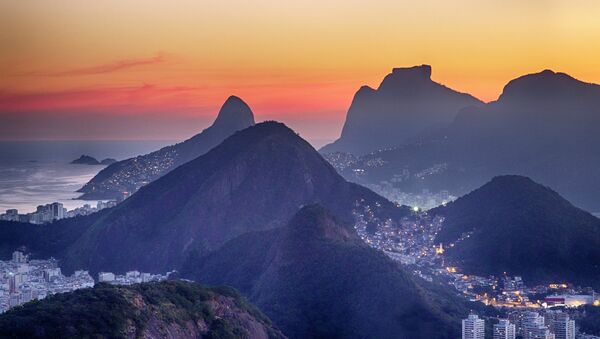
106, 277
504, 330
57, 210
569, 300
473, 327
19, 258
13, 284
10, 215
564, 327
534, 327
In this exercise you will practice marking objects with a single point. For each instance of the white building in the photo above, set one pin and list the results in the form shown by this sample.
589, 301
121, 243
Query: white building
473, 327
504, 330
106, 277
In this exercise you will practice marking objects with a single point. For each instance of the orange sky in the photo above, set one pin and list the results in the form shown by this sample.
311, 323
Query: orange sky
160, 69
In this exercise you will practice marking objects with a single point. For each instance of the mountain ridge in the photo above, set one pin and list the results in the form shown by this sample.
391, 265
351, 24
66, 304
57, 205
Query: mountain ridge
256, 179
316, 278
128, 175
406, 103
518, 226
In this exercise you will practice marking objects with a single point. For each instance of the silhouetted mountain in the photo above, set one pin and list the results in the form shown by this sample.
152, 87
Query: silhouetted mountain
544, 126
255, 180
316, 279
517, 226
85, 160
174, 309
406, 104
128, 175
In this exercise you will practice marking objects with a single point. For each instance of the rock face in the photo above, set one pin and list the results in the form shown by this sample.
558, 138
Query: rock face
316, 279
128, 175
544, 126
521, 227
152, 310
255, 180
406, 104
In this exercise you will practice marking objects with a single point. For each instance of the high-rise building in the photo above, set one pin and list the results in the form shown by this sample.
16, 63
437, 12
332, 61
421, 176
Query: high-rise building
504, 330
534, 327
57, 210
473, 327
18, 257
11, 215
564, 327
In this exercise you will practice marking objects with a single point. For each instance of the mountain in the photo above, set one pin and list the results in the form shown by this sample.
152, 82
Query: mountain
544, 126
108, 161
255, 180
406, 104
317, 279
128, 175
42, 241
174, 309
518, 226
85, 160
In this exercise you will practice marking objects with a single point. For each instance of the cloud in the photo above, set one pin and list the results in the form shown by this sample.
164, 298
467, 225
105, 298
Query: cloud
115, 66
125, 99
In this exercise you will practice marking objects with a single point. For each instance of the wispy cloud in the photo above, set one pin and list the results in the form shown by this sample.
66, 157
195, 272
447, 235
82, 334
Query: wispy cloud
115, 66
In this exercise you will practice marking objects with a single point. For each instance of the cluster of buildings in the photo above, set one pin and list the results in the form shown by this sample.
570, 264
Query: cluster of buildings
525, 325
54, 211
23, 280
130, 278
411, 241
137, 173
391, 188
425, 199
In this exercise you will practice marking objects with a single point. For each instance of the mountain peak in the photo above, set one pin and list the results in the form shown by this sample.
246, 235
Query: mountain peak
526, 228
546, 85
234, 113
423, 71
406, 76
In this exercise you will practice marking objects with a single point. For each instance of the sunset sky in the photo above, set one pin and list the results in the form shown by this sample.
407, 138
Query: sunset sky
161, 69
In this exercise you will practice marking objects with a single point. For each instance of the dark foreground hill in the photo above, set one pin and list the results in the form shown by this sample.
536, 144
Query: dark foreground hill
518, 226
316, 279
255, 180
174, 309
543, 126
46, 240
128, 175
406, 104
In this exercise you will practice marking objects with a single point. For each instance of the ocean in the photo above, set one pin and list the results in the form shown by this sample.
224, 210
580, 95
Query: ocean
35, 173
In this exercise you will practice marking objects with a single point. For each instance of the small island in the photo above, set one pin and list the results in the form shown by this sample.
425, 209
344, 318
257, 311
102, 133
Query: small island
89, 160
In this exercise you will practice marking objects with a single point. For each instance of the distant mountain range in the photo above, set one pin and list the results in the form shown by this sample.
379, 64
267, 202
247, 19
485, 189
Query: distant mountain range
317, 279
129, 175
89, 160
174, 309
255, 180
515, 225
406, 105
544, 126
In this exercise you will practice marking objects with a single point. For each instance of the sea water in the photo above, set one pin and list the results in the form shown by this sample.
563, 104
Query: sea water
36, 173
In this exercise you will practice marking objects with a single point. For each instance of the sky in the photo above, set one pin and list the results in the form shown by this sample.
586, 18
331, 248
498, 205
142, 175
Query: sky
160, 70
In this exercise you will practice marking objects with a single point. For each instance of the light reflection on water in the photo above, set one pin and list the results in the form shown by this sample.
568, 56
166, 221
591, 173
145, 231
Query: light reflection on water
33, 173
